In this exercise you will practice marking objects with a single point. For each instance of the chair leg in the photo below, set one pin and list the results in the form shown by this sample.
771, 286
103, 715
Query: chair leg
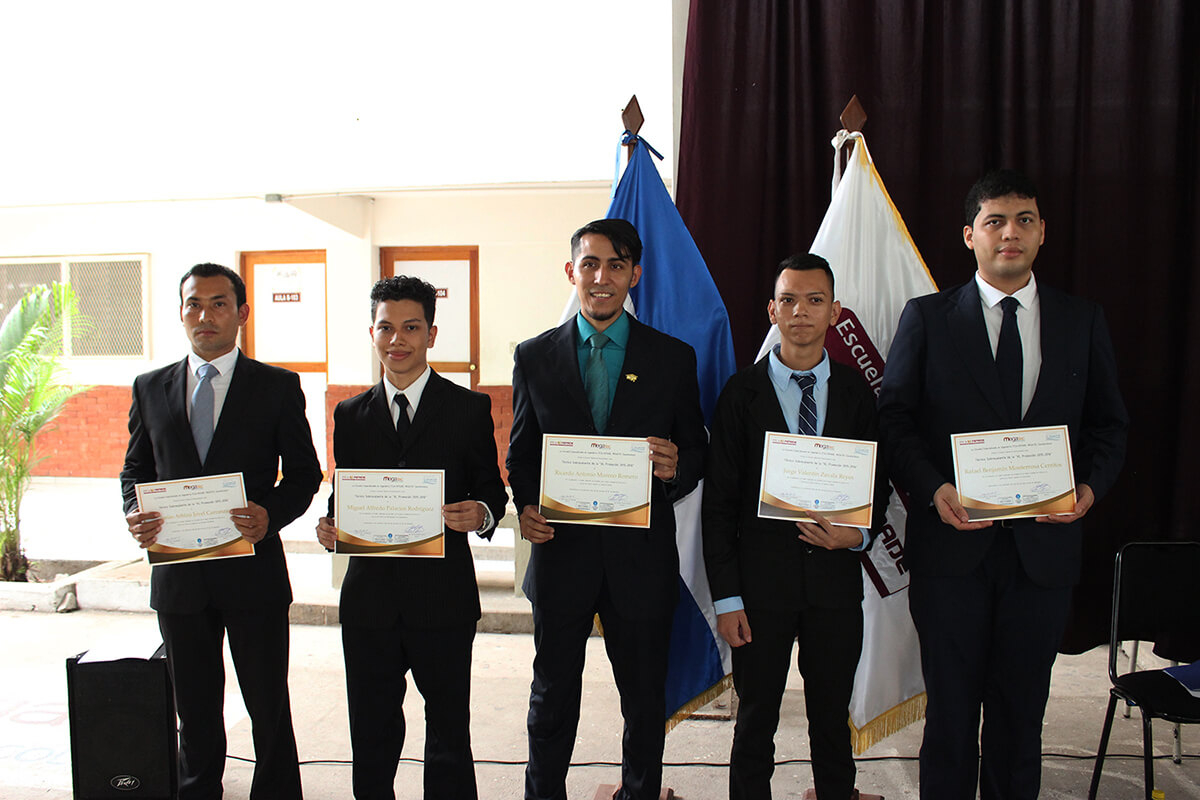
1108, 721
1148, 748
1133, 654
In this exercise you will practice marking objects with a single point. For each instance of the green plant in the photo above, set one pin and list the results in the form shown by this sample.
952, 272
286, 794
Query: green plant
30, 397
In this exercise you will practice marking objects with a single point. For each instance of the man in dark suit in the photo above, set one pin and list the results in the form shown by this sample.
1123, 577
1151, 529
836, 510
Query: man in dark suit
253, 418
990, 600
775, 582
419, 614
642, 384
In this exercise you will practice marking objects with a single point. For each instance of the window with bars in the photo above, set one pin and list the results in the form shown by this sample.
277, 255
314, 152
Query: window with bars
110, 292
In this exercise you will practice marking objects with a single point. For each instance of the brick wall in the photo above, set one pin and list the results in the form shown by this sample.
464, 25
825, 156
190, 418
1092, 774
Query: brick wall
89, 436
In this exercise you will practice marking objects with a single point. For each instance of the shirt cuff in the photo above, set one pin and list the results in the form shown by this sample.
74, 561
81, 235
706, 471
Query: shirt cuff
727, 604
866, 540
488, 519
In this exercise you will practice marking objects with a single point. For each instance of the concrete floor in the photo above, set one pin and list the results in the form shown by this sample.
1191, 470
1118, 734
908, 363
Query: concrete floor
34, 732
35, 736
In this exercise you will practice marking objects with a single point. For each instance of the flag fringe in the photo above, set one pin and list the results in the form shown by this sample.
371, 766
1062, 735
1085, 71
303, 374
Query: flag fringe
891, 721
699, 701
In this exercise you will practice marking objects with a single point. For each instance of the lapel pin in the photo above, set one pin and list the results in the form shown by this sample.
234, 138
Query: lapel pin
629, 376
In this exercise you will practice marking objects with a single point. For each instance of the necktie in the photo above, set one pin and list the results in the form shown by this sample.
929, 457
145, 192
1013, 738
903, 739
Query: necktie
202, 409
808, 404
402, 421
597, 381
1009, 362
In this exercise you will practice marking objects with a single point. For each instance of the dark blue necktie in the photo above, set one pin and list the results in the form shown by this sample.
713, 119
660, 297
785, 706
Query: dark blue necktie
402, 420
808, 404
1009, 361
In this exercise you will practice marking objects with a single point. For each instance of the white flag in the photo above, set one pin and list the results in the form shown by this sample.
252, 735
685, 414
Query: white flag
877, 270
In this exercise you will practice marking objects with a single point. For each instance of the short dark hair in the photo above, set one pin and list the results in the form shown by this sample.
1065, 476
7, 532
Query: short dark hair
997, 183
404, 287
623, 236
214, 271
804, 261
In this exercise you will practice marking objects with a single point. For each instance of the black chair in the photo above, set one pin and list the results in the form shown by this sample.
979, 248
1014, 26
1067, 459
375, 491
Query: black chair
1156, 597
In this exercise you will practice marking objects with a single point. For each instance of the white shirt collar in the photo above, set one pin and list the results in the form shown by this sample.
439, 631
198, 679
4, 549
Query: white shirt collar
224, 364
991, 295
412, 393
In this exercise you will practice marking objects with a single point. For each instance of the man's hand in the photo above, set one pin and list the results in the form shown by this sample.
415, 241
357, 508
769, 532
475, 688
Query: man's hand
326, 532
665, 455
945, 500
823, 533
534, 527
145, 527
1083, 501
734, 627
464, 516
252, 522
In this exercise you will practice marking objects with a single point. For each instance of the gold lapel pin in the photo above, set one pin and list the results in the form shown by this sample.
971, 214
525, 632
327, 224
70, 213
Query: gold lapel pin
629, 376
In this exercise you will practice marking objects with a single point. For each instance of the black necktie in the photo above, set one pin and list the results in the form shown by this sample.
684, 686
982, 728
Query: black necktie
402, 421
808, 404
1009, 361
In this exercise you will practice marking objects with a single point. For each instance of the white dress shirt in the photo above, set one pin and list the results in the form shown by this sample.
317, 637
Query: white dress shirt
1029, 325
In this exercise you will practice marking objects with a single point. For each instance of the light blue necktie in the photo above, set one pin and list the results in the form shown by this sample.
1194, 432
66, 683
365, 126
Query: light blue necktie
808, 404
202, 409
597, 381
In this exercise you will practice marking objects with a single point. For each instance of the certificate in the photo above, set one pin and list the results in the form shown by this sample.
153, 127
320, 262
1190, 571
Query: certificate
196, 523
1025, 472
390, 512
596, 480
801, 474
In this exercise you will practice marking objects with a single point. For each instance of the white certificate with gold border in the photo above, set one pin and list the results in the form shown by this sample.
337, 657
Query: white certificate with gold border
196, 521
1023, 472
802, 474
596, 480
389, 512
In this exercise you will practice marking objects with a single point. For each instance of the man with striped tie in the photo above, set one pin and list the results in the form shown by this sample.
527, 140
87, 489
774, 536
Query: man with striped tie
776, 581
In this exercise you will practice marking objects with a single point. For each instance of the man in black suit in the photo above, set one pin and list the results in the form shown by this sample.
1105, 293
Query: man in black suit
775, 582
256, 421
990, 600
629, 577
419, 614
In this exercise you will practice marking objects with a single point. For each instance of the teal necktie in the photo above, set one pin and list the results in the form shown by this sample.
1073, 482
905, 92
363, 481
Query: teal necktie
597, 382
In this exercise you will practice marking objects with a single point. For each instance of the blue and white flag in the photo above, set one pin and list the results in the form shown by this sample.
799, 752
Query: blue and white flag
677, 296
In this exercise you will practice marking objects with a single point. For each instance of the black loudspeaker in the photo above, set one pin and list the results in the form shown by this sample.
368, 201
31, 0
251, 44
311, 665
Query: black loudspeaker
124, 742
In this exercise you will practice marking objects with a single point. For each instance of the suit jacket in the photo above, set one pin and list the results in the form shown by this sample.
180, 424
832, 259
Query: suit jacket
657, 395
762, 560
452, 430
262, 423
941, 379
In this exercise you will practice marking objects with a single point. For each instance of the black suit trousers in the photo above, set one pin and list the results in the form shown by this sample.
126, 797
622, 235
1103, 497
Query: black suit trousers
637, 649
258, 643
987, 638
830, 642
377, 660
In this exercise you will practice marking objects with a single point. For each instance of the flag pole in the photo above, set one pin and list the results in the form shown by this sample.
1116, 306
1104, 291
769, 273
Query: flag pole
632, 119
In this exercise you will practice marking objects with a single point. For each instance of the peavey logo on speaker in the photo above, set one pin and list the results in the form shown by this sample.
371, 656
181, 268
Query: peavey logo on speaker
125, 783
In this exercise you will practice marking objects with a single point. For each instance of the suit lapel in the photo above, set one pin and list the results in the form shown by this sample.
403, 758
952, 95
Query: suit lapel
175, 391
1055, 330
241, 389
764, 402
563, 356
634, 381
432, 399
837, 422
379, 415
968, 335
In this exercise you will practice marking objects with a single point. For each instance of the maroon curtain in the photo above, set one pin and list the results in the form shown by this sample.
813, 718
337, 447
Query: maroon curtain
1097, 101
